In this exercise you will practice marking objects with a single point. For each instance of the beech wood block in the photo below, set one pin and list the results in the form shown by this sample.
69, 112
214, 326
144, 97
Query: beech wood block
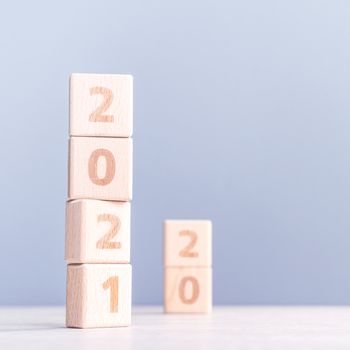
101, 105
188, 290
188, 243
97, 231
98, 295
100, 168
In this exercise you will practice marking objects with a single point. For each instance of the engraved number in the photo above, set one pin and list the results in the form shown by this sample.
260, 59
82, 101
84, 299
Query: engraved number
93, 165
195, 290
112, 283
105, 241
97, 115
186, 252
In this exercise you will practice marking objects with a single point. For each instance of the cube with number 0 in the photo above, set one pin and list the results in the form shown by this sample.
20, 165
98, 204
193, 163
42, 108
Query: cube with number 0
97, 231
100, 168
188, 289
98, 295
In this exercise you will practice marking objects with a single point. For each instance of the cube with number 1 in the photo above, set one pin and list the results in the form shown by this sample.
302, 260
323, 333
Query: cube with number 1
98, 295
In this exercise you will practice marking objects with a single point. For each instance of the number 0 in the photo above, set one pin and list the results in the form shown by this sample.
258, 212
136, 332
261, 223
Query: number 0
195, 290
110, 167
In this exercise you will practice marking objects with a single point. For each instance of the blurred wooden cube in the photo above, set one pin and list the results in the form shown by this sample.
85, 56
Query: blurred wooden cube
188, 243
188, 290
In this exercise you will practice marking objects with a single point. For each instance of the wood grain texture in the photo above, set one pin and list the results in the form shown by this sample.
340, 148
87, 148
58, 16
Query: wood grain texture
188, 290
97, 231
188, 243
101, 105
100, 168
89, 299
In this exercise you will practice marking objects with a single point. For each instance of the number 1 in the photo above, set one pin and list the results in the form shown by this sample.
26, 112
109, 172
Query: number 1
112, 283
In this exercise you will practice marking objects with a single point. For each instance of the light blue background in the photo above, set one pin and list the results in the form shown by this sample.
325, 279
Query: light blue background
241, 116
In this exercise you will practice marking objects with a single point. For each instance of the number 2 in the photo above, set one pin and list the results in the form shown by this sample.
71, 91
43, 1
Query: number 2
112, 283
186, 252
97, 115
105, 241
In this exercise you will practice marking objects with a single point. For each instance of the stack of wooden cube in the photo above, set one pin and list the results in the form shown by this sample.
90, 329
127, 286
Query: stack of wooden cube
188, 266
98, 206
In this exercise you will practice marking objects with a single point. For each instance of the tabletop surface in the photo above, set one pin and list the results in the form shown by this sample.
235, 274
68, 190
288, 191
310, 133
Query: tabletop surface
248, 328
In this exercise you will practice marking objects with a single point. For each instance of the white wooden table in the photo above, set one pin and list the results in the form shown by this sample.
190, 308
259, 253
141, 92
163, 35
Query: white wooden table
243, 328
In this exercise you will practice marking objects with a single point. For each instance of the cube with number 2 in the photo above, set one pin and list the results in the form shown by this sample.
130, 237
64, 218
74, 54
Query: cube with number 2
97, 231
101, 105
187, 243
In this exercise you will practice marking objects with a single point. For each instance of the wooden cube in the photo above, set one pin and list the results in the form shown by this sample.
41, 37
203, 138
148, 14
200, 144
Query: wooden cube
100, 168
188, 290
98, 295
188, 243
101, 105
97, 231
